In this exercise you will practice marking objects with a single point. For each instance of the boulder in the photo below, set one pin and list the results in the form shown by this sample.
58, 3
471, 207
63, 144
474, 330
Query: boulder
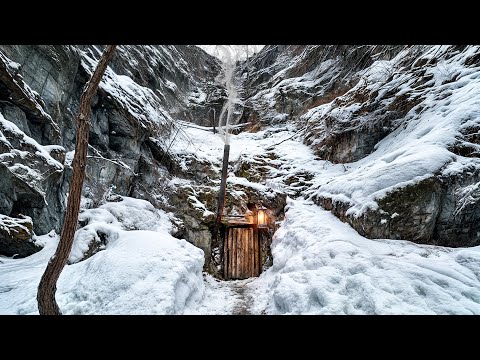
16, 236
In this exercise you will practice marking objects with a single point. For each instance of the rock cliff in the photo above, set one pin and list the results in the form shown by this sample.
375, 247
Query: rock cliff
403, 121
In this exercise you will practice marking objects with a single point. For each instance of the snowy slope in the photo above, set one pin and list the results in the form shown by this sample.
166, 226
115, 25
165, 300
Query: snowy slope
323, 266
140, 272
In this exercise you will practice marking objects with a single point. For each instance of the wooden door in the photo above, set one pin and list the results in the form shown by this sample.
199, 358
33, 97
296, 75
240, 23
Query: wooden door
241, 253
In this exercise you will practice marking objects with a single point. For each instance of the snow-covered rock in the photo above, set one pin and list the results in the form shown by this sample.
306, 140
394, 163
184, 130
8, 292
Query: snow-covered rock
31, 178
16, 236
99, 226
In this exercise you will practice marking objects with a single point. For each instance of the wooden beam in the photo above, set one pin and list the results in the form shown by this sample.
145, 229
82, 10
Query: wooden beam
260, 263
246, 233
230, 253
247, 252
235, 252
225, 253
253, 254
241, 254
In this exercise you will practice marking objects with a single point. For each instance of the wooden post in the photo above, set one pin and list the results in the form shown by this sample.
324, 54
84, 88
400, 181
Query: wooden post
223, 185
255, 251
240, 252
221, 201
225, 254
252, 256
248, 253
259, 234
230, 253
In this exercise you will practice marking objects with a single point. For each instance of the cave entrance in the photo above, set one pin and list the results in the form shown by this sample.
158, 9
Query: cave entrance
241, 250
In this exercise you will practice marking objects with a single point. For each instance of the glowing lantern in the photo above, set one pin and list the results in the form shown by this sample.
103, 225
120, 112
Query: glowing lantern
262, 217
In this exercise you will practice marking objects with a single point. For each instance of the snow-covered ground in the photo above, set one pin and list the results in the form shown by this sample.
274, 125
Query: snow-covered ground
321, 265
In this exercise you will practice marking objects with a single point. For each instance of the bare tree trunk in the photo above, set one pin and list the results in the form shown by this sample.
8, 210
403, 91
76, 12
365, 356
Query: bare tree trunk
47, 288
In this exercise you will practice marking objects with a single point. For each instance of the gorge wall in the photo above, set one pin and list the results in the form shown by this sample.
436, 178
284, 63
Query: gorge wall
403, 120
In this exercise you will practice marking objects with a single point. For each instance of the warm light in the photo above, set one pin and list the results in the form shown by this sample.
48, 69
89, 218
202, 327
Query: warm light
262, 217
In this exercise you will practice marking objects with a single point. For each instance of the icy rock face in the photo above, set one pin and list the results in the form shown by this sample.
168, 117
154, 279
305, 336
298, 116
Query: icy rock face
282, 82
32, 178
142, 95
402, 119
32, 175
459, 219
442, 209
291, 80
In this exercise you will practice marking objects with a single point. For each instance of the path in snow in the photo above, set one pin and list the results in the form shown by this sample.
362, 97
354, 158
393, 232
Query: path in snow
230, 297
243, 304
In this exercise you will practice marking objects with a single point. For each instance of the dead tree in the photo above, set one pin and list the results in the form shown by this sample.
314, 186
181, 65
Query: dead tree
47, 305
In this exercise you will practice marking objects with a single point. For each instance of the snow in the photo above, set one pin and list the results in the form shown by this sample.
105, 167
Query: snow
172, 86
320, 264
197, 97
242, 181
323, 266
4, 140
141, 272
69, 157
9, 224
141, 102
219, 299
123, 88
110, 218
13, 68
199, 205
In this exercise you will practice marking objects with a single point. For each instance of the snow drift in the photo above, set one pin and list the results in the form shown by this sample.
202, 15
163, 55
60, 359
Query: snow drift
322, 266
139, 272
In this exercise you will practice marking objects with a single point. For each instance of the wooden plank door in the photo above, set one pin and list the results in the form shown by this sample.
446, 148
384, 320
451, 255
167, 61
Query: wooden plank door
241, 253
